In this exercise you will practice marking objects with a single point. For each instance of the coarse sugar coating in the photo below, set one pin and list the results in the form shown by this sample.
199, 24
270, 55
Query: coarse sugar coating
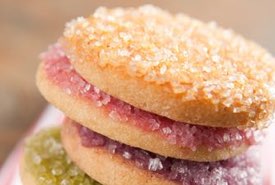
47, 162
194, 60
244, 169
59, 70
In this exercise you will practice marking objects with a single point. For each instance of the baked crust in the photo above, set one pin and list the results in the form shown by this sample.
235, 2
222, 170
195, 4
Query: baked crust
97, 120
101, 166
174, 66
104, 167
26, 177
157, 98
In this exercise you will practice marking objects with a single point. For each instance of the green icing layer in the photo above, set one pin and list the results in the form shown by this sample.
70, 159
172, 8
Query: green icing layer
48, 162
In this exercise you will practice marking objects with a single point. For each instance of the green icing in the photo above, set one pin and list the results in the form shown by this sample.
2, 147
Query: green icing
48, 162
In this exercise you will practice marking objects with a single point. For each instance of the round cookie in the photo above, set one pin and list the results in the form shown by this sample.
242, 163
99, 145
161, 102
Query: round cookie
95, 118
44, 161
113, 167
29, 178
174, 66
26, 177
110, 169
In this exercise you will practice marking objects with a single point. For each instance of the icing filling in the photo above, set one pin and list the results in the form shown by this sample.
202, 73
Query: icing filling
60, 71
241, 170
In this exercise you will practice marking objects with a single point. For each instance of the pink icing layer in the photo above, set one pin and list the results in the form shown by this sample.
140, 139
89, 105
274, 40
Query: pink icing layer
59, 70
241, 170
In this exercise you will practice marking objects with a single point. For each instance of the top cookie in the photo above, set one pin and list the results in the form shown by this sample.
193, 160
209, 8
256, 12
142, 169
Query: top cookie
174, 66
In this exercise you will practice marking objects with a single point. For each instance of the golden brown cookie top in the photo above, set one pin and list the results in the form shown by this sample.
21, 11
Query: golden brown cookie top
197, 61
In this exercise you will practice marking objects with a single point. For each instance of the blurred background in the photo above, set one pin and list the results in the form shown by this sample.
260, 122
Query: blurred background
27, 27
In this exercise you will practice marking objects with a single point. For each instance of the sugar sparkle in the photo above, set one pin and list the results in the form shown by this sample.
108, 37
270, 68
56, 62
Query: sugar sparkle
176, 133
158, 39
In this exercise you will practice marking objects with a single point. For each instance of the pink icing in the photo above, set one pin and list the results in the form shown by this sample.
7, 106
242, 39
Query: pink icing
241, 170
59, 70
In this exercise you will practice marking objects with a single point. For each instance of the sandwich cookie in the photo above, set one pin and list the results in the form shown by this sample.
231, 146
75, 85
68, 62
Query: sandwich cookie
45, 162
117, 163
174, 66
105, 114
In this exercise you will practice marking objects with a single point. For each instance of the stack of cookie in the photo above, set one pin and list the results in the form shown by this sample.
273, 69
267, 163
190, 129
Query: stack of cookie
152, 98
